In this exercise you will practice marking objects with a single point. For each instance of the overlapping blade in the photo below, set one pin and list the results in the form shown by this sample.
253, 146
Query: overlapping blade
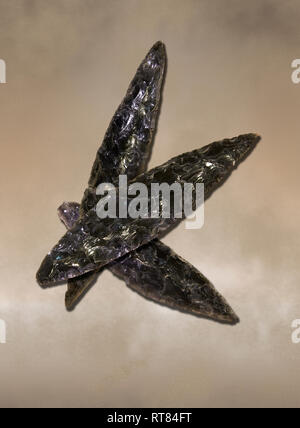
156, 273
127, 143
94, 242
125, 149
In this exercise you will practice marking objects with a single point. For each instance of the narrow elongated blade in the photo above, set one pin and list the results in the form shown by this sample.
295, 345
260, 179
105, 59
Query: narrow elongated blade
94, 242
155, 272
125, 149
127, 143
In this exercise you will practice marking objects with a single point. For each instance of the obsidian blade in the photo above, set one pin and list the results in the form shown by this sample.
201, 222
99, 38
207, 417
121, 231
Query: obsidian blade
85, 247
155, 272
127, 142
125, 149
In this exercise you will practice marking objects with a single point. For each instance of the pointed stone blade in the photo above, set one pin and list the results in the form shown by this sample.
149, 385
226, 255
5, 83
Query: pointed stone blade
126, 146
127, 142
95, 242
155, 272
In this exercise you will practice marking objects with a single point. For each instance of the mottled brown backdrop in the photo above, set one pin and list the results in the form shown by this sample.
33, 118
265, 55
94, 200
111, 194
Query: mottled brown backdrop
229, 72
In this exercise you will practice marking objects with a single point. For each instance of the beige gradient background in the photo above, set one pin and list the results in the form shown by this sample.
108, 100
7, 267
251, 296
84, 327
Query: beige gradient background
229, 72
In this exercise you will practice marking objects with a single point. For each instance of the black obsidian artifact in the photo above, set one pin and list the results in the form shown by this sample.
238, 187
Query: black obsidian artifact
129, 246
